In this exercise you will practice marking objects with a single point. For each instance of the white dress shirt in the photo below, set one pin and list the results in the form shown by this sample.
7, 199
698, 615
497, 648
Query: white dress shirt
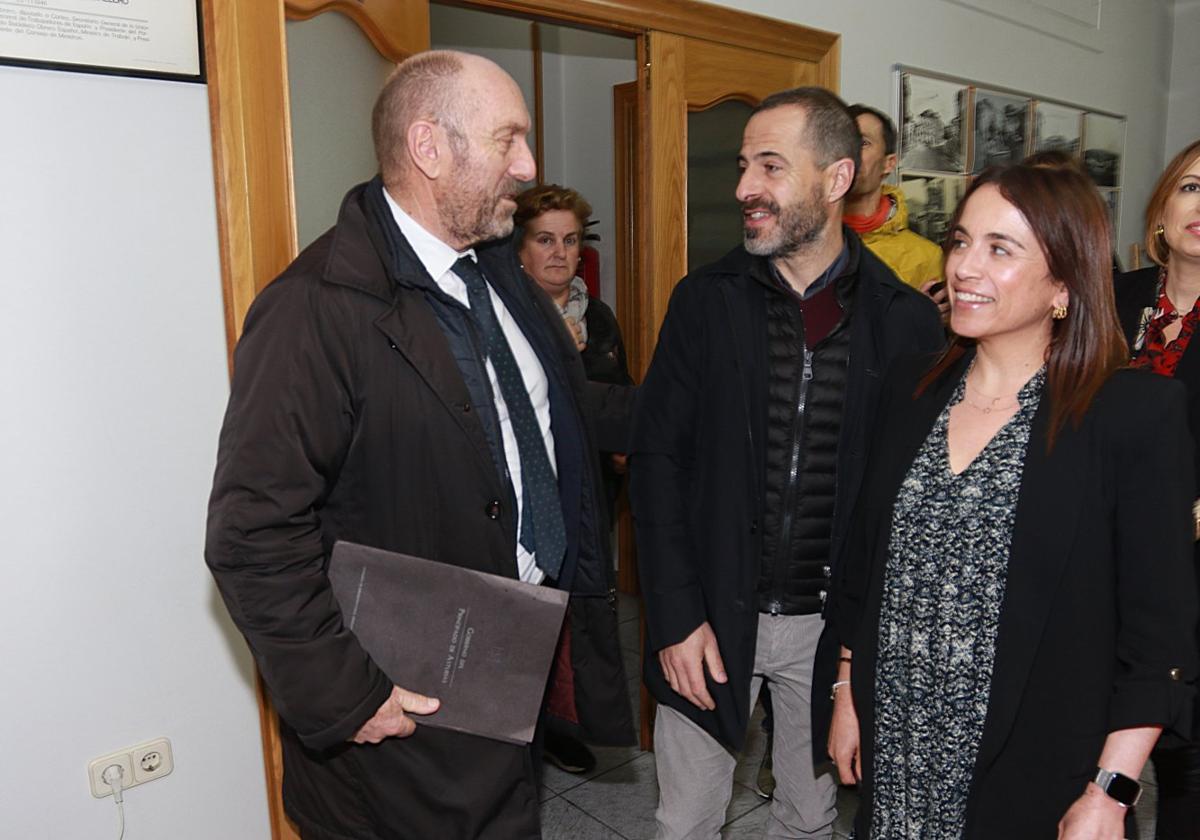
439, 259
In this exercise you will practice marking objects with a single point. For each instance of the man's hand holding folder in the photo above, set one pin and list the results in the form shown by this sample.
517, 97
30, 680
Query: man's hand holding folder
392, 719
481, 643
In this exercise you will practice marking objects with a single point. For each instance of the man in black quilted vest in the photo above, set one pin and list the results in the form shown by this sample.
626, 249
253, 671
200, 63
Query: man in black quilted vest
749, 445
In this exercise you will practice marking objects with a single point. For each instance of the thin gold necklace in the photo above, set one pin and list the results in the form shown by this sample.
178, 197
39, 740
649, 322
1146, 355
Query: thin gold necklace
992, 402
991, 406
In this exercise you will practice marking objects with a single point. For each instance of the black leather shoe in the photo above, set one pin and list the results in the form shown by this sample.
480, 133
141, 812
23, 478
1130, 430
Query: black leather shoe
568, 754
764, 782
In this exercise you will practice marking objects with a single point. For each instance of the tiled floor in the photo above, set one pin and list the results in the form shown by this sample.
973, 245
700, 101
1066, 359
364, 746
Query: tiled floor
616, 801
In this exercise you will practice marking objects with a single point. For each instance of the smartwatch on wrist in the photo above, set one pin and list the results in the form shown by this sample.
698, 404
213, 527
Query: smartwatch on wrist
1118, 786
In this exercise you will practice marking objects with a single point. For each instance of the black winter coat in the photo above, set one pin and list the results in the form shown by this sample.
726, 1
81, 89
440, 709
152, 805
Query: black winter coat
604, 356
349, 419
1097, 629
1135, 293
698, 466
604, 361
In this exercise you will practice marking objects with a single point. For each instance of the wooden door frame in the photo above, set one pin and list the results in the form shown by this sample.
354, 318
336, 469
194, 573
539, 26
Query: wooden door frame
246, 58
250, 119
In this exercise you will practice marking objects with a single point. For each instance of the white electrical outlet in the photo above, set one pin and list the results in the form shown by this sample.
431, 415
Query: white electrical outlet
139, 764
96, 768
152, 760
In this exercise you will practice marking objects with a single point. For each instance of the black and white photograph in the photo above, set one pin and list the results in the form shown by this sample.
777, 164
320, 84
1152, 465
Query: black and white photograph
1000, 130
932, 131
1103, 146
1056, 128
932, 200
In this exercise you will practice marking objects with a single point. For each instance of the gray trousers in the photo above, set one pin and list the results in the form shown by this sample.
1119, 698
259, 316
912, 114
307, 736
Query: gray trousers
695, 772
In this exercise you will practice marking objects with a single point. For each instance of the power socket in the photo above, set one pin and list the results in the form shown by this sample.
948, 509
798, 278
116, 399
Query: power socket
96, 768
152, 760
139, 764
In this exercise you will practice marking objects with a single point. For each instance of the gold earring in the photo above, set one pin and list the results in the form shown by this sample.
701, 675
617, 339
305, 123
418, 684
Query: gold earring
1160, 232
1059, 312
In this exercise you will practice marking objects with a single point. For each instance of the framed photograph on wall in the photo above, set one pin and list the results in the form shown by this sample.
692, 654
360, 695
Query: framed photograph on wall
1000, 129
1103, 148
153, 38
1056, 128
931, 201
952, 128
933, 117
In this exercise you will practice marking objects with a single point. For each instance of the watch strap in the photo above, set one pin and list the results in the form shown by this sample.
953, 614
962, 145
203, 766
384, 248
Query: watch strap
1118, 786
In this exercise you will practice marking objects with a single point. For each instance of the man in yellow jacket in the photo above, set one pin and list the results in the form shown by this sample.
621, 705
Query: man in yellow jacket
877, 213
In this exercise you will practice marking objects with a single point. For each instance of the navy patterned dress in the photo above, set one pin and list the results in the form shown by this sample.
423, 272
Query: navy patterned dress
943, 592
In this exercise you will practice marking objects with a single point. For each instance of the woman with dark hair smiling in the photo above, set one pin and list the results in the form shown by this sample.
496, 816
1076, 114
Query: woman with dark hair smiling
1017, 607
1159, 309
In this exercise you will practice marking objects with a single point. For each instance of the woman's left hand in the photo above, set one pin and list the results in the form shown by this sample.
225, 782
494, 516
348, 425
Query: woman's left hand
576, 333
1093, 816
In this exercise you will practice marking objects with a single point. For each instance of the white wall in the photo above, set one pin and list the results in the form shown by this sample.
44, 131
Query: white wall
1183, 115
579, 69
505, 40
1124, 67
114, 379
334, 75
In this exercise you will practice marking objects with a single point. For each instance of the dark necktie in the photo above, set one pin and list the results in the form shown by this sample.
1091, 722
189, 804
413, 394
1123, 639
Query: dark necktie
542, 531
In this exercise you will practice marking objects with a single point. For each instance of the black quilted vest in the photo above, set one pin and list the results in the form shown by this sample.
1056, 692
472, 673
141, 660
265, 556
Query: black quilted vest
805, 395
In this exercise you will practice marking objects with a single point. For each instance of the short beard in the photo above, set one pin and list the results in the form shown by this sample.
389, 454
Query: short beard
475, 216
798, 226
469, 211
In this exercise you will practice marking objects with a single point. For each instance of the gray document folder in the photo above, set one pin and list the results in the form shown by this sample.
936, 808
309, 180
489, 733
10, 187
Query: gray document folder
480, 643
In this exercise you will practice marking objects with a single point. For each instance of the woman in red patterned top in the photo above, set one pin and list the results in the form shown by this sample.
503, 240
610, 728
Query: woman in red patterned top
1159, 309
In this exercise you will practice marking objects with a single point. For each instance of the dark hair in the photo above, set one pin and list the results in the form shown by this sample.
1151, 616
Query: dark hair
423, 87
889, 127
1156, 246
1055, 159
829, 129
535, 201
1069, 220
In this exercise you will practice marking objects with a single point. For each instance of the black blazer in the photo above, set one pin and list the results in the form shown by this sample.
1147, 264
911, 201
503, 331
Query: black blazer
1135, 291
1100, 606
